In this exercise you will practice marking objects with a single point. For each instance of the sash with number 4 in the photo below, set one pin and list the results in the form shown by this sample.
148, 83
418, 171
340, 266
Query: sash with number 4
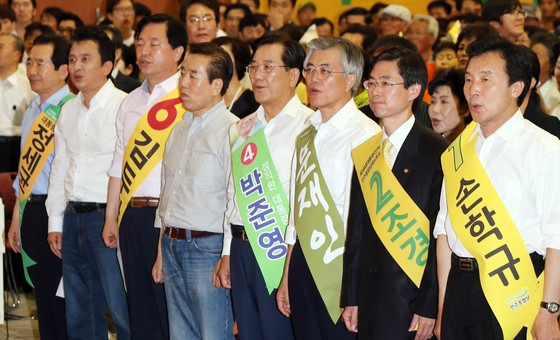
262, 202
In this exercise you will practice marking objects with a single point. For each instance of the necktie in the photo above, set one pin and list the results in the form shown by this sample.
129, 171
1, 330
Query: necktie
387, 146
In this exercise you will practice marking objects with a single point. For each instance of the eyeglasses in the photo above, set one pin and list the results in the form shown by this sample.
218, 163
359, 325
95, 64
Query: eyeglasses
195, 20
266, 68
519, 11
321, 72
123, 9
383, 85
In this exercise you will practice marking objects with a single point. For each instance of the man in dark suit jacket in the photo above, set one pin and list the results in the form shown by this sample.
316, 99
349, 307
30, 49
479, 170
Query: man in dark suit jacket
380, 301
124, 82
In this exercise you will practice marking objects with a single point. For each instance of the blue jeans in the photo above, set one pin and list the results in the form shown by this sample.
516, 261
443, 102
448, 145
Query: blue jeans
92, 279
195, 309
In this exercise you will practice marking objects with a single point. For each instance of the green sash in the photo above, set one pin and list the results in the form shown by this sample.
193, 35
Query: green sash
37, 148
318, 223
263, 205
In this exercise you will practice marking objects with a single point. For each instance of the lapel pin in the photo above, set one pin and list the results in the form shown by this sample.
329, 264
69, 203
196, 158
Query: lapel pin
405, 170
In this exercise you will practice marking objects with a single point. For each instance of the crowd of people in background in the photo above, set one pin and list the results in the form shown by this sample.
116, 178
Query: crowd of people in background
219, 166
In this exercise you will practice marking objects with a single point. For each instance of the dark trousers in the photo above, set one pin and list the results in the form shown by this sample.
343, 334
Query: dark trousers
9, 153
255, 310
45, 274
310, 318
138, 241
466, 312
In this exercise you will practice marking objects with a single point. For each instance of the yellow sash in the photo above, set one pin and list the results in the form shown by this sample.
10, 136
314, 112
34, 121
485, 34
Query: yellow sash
400, 224
485, 228
37, 148
147, 143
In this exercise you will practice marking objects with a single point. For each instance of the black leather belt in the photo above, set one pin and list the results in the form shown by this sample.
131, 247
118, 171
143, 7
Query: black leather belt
36, 199
4, 139
181, 234
238, 231
467, 264
85, 207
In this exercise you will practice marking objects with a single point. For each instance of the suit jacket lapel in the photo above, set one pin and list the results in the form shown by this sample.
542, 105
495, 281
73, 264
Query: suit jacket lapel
404, 164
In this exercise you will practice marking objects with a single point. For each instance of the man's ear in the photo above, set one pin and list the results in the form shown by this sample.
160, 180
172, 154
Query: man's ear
350, 81
294, 76
517, 88
178, 52
217, 85
414, 91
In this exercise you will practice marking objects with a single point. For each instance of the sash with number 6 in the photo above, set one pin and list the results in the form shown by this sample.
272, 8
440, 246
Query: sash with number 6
37, 148
262, 202
147, 143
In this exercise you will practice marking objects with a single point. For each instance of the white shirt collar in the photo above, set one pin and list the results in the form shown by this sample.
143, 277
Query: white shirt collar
397, 138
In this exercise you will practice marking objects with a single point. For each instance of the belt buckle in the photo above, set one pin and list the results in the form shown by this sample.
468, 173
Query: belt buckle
466, 264
244, 235
170, 234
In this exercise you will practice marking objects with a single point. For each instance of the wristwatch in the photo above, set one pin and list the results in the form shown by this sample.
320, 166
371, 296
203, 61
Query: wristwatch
552, 307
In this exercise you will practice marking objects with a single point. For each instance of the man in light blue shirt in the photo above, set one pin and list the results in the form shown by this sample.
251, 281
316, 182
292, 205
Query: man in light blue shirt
47, 70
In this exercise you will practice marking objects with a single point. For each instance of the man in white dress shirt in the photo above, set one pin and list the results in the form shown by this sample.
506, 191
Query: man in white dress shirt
161, 47
15, 96
282, 117
320, 191
85, 137
499, 212
195, 172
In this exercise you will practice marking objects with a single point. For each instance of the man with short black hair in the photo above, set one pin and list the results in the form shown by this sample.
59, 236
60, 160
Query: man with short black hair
195, 170
325, 27
25, 12
15, 96
251, 28
134, 187
85, 137
201, 18
121, 13
68, 23
439, 9
47, 70
379, 272
506, 16
7, 19
498, 211
233, 15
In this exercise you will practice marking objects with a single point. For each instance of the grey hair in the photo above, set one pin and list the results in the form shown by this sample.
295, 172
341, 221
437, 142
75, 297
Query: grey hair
433, 26
351, 61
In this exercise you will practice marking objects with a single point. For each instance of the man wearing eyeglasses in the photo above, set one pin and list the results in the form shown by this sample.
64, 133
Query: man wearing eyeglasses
121, 12
390, 281
507, 16
256, 271
201, 18
310, 289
